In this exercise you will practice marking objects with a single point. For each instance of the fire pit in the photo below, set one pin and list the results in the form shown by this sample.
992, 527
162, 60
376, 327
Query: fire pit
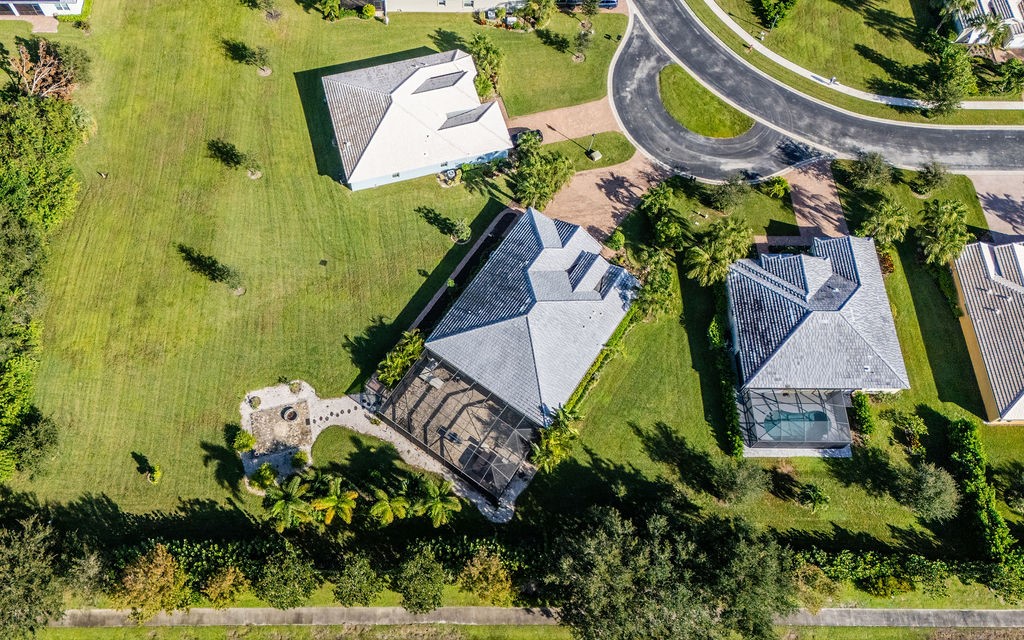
290, 414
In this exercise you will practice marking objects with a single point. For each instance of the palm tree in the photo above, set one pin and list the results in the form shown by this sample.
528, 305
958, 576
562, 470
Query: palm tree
944, 230
994, 28
288, 507
888, 224
556, 440
336, 502
387, 508
950, 8
707, 263
438, 503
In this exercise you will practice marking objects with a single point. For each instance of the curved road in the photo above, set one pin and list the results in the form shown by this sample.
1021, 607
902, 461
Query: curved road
791, 126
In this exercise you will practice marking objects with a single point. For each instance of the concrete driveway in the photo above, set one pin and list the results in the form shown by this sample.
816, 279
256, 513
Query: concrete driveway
1002, 199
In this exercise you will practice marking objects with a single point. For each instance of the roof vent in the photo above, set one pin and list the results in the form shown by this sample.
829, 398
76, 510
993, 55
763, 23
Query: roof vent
867, 368
998, 311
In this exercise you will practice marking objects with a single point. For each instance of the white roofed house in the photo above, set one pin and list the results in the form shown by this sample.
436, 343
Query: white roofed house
1011, 12
511, 350
29, 8
807, 331
412, 118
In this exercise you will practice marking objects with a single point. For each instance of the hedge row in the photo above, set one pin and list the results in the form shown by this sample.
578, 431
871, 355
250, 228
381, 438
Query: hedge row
862, 416
610, 347
727, 381
969, 468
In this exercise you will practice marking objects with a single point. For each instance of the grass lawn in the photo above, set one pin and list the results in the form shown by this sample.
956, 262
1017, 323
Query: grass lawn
817, 90
420, 632
698, 109
143, 356
614, 148
766, 216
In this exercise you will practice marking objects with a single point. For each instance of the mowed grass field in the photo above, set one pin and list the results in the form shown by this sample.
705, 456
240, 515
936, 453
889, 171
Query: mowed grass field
144, 356
696, 108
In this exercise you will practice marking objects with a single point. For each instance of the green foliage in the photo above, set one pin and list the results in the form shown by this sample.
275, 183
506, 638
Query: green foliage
388, 508
264, 477
943, 234
331, 9
771, 11
726, 241
32, 594
437, 501
156, 474
888, 224
300, 460
367, 12
932, 493
863, 418
336, 501
489, 60
907, 428
954, 82
590, 8
967, 457
538, 175
870, 570
397, 361
616, 241
1012, 72
538, 12
420, 581
243, 441
357, 584
738, 479
287, 505
583, 41
933, 175
944, 278
887, 586
814, 588
225, 586
726, 195
717, 339
556, 441
486, 576
461, 231
154, 582
870, 170
813, 497
776, 187
34, 441
286, 580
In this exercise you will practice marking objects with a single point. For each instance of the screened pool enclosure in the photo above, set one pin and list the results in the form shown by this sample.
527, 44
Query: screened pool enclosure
789, 418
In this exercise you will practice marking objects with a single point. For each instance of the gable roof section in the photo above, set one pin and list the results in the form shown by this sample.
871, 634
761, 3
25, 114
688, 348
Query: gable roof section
411, 114
536, 315
992, 284
818, 321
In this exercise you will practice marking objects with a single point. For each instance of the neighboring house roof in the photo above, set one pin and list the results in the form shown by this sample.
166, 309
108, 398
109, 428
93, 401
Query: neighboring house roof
818, 321
1010, 13
411, 114
992, 284
536, 316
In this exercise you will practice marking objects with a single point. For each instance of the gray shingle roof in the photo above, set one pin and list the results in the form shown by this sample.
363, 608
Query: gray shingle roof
536, 316
992, 283
357, 100
818, 321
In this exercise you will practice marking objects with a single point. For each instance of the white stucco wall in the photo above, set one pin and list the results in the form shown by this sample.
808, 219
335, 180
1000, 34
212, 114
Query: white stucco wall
74, 8
424, 171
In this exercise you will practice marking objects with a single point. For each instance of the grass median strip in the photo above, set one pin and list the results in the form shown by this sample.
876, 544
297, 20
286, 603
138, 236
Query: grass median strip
614, 147
698, 109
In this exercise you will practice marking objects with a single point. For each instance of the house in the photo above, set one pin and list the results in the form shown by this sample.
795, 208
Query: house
990, 286
807, 331
467, 6
41, 8
511, 350
412, 118
1011, 13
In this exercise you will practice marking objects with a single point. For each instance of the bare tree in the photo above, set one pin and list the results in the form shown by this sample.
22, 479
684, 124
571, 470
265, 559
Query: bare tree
43, 76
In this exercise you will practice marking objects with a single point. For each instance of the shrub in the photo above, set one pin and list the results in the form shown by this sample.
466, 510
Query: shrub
771, 11
264, 477
244, 441
255, 402
907, 428
300, 460
932, 493
616, 241
155, 474
35, 441
728, 194
738, 479
286, 580
727, 379
357, 584
224, 587
814, 588
776, 187
368, 11
397, 361
944, 276
862, 416
933, 175
420, 581
154, 582
968, 462
461, 231
886, 586
813, 497
870, 170
485, 576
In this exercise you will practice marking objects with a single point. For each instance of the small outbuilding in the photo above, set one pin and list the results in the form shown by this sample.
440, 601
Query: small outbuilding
412, 118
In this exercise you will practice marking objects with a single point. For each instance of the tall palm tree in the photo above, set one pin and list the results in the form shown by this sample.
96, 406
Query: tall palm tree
336, 502
888, 224
950, 8
438, 502
707, 263
288, 506
994, 28
386, 509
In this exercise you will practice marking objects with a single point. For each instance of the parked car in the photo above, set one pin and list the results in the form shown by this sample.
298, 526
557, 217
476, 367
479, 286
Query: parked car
516, 137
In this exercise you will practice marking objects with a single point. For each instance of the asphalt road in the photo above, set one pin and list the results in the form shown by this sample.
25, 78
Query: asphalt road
796, 127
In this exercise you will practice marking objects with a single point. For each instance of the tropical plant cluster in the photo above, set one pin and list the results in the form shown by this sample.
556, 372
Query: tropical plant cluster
720, 351
397, 361
489, 60
863, 417
556, 440
40, 129
537, 175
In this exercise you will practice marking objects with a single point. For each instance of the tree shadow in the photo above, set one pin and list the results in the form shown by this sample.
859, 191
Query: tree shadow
837, 538
436, 219
227, 467
694, 468
904, 80
445, 40
783, 484
142, 464
225, 152
368, 348
870, 468
556, 41
207, 266
310, 86
236, 50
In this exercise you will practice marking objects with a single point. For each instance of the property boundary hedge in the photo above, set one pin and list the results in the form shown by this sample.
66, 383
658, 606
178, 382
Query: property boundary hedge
727, 380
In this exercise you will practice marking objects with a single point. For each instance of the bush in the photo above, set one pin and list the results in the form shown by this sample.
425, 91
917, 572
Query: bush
969, 464
420, 581
738, 479
944, 276
538, 175
485, 576
870, 170
35, 441
813, 497
155, 474
776, 187
616, 241
733, 431
368, 11
154, 582
300, 460
932, 493
907, 429
357, 584
814, 588
886, 586
243, 441
224, 587
286, 580
728, 194
397, 361
771, 11
863, 418
933, 175
264, 477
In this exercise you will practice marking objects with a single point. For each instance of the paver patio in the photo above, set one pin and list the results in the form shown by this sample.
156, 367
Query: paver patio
1002, 199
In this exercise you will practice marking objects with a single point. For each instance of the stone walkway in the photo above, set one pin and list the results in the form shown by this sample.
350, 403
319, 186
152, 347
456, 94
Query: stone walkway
1002, 199
838, 86
347, 412
569, 122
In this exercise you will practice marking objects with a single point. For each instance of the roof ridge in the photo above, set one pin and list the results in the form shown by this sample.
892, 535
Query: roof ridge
536, 368
771, 354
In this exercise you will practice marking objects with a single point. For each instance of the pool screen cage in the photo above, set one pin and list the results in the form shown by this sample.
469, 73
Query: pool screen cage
459, 422
794, 418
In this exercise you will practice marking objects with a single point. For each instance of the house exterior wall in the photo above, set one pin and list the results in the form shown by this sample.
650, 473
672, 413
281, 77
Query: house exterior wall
378, 181
51, 9
446, 6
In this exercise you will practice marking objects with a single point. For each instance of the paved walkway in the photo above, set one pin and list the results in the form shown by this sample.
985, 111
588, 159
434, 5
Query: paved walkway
924, 618
756, 44
40, 24
1002, 199
569, 122
816, 200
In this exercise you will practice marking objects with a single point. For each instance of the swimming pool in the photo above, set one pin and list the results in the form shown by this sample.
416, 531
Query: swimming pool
789, 426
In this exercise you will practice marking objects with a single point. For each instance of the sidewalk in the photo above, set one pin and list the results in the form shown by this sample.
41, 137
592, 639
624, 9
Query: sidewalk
756, 45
